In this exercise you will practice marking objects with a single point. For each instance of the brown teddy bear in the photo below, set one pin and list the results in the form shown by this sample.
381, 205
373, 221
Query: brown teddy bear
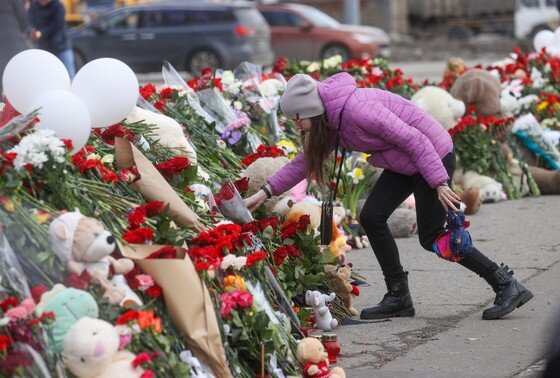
83, 244
547, 181
314, 360
258, 173
338, 279
479, 88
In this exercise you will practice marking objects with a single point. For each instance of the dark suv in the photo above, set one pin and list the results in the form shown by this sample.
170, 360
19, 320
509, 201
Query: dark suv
191, 35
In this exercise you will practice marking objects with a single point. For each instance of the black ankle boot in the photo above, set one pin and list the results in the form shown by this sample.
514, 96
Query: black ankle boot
397, 302
510, 293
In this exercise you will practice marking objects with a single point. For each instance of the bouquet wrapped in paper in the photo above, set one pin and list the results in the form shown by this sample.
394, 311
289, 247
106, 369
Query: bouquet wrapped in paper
262, 95
232, 125
230, 204
187, 301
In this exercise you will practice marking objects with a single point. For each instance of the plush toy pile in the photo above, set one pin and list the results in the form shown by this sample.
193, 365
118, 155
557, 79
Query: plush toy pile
133, 255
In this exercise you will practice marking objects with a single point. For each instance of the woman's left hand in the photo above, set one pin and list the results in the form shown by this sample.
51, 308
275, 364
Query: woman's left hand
448, 198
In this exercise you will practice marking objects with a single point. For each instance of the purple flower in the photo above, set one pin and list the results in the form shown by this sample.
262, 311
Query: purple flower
232, 137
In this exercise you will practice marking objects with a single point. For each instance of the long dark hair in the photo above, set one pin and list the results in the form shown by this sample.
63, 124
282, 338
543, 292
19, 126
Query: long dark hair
316, 143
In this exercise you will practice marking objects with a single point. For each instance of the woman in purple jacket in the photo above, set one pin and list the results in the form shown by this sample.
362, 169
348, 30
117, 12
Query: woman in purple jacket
417, 156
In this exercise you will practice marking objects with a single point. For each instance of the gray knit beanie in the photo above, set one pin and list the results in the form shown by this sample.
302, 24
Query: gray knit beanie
301, 98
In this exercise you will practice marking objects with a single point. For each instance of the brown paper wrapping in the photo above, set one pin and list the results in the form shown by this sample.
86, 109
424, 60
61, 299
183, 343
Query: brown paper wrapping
152, 185
187, 302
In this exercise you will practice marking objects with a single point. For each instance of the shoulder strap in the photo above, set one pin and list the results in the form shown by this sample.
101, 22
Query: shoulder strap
335, 189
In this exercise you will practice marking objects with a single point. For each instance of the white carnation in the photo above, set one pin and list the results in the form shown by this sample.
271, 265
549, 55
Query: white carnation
35, 149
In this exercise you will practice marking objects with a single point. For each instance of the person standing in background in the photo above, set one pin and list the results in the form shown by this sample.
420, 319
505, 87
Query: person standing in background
49, 30
13, 24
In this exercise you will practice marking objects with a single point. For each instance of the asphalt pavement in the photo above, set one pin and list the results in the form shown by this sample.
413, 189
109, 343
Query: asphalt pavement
447, 337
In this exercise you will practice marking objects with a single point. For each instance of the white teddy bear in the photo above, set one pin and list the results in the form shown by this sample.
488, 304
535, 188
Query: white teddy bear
490, 189
91, 350
323, 317
439, 104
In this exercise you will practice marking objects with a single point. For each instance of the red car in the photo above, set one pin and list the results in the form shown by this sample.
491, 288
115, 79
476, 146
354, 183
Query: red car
302, 32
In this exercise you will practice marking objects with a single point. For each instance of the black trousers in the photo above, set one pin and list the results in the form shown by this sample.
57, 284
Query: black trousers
388, 193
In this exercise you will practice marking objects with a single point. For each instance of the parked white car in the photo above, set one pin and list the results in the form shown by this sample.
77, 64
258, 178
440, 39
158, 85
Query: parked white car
532, 16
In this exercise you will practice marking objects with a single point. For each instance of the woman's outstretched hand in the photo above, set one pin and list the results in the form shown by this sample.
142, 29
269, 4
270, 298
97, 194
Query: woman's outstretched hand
448, 198
255, 200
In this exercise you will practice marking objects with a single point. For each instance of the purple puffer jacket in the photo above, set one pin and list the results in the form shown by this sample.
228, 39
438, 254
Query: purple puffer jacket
399, 135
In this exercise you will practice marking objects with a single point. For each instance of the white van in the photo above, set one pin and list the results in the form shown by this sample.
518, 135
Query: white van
532, 16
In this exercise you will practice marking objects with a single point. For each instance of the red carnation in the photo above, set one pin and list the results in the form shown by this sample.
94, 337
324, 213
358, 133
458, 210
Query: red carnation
138, 236
270, 221
289, 230
153, 208
217, 82
137, 217
68, 144
127, 317
8, 303
171, 167
355, 290
154, 291
147, 91
141, 359
255, 257
160, 105
147, 374
37, 291
166, 93
168, 252
115, 131
5, 342
242, 184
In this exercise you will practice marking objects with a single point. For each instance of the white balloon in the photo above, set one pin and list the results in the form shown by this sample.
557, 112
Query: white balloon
109, 88
66, 114
556, 42
31, 73
544, 38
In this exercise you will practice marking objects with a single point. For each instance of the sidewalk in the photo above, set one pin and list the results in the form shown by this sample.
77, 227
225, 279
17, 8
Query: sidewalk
447, 337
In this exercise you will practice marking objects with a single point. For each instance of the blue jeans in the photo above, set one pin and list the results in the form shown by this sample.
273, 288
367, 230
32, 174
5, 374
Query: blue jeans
67, 58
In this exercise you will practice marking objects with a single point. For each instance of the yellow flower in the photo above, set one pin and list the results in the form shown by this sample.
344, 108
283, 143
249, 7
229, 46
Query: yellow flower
542, 106
365, 156
289, 148
42, 216
235, 282
357, 175
7, 203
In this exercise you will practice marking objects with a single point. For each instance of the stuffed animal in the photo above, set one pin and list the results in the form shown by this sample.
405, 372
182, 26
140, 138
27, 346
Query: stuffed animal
490, 189
68, 305
479, 88
547, 181
314, 360
455, 66
83, 243
338, 279
509, 104
339, 244
438, 103
472, 200
322, 314
91, 350
402, 222
258, 173
519, 178
305, 207
166, 130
